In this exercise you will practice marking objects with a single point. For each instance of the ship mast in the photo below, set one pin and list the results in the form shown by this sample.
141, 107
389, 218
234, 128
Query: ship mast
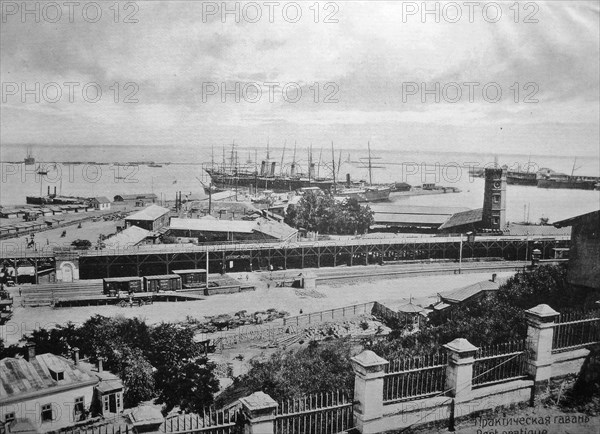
370, 166
282, 156
333, 163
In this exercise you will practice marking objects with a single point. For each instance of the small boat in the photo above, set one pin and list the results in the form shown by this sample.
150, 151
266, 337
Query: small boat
154, 165
29, 160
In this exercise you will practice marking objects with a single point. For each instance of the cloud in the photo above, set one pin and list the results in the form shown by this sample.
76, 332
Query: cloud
368, 54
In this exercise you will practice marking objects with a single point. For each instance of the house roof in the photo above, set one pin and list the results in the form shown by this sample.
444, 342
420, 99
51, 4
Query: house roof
278, 230
150, 213
461, 294
122, 279
463, 218
129, 237
572, 220
162, 276
21, 426
101, 199
21, 379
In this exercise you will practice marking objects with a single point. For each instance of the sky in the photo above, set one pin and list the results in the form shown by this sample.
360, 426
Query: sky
363, 70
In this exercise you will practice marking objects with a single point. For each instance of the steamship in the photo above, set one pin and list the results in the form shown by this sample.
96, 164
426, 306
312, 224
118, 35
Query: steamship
266, 179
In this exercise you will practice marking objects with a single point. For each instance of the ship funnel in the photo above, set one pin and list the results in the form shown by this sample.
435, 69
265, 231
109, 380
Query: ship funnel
347, 180
273, 168
293, 170
48, 190
55, 191
311, 171
263, 168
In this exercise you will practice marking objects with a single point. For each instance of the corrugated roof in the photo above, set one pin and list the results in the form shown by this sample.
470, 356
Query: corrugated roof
210, 225
129, 237
520, 229
150, 213
413, 209
461, 294
463, 218
412, 219
20, 378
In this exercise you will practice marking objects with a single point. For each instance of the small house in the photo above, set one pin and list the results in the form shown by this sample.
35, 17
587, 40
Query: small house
100, 203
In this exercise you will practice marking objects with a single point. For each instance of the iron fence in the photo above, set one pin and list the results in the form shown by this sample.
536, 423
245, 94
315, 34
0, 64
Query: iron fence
576, 330
211, 421
415, 378
500, 363
322, 413
329, 315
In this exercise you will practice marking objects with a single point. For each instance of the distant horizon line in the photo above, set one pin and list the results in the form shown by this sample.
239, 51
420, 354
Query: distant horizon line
278, 147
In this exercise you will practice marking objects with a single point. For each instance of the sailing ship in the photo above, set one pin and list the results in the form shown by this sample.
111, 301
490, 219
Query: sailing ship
369, 193
235, 175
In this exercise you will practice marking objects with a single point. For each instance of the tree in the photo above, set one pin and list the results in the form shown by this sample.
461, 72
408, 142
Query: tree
191, 386
317, 367
138, 378
321, 213
182, 376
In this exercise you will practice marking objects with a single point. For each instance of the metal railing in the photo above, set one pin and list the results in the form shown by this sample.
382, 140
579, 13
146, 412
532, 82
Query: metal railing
329, 315
415, 378
211, 421
576, 330
322, 413
500, 363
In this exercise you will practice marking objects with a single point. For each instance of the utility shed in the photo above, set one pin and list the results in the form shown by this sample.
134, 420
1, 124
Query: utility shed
125, 284
151, 218
584, 253
164, 282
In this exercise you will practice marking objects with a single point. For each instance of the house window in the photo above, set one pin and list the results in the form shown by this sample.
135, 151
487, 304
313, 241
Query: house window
9, 417
496, 199
496, 220
79, 405
105, 400
118, 401
47, 413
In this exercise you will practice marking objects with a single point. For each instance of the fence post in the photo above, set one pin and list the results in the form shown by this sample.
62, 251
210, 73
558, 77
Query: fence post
459, 373
259, 410
540, 331
368, 390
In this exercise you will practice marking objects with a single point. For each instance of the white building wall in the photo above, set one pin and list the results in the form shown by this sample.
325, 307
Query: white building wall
62, 408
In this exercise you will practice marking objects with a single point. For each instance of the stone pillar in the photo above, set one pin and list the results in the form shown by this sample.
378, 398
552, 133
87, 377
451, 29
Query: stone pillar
459, 373
540, 331
259, 410
368, 390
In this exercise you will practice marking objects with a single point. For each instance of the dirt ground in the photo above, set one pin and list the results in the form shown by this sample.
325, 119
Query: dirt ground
421, 289
52, 238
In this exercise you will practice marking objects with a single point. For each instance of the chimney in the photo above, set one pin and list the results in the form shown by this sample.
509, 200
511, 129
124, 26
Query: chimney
494, 277
30, 351
100, 364
76, 356
347, 180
